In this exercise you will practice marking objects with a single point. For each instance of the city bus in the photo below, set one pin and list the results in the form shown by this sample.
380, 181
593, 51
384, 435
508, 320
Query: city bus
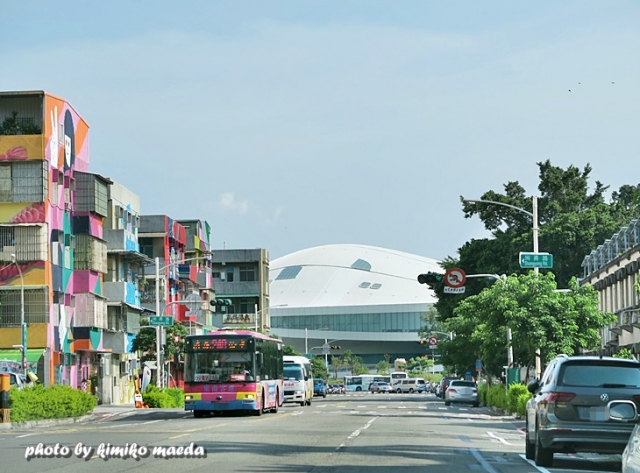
362, 382
233, 370
396, 377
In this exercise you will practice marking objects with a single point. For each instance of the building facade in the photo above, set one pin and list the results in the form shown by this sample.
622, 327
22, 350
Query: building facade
612, 269
241, 284
359, 298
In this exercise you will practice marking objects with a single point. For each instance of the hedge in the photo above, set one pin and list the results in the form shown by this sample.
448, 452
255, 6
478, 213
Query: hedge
497, 396
38, 402
483, 389
163, 398
515, 390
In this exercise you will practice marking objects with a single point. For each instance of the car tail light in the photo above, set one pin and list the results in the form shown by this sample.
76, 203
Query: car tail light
474, 390
552, 398
452, 390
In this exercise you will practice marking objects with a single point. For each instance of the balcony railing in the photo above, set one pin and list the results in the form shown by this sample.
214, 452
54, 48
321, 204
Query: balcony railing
239, 319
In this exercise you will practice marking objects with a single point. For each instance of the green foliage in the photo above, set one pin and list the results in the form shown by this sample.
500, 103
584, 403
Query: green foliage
336, 364
13, 125
419, 366
483, 389
38, 402
538, 315
155, 397
521, 404
318, 368
145, 341
515, 391
383, 367
624, 353
497, 396
289, 350
354, 362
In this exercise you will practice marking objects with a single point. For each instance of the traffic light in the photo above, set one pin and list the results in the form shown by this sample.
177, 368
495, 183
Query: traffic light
221, 302
430, 278
335, 347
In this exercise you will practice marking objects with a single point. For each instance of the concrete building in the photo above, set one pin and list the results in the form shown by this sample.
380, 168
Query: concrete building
612, 269
241, 277
360, 298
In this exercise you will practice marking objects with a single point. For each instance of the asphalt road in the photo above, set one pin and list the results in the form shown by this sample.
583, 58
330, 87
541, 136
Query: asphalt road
350, 433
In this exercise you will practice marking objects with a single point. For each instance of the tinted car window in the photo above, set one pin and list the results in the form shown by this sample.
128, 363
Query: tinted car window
600, 374
469, 384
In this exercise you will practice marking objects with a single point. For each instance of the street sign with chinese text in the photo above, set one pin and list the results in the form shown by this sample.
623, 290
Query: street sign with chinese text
161, 321
453, 290
536, 260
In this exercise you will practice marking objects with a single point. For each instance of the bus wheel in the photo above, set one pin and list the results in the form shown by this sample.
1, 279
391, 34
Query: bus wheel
258, 412
198, 414
275, 408
358, 388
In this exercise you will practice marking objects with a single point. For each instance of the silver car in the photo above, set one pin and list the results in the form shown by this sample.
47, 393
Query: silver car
463, 392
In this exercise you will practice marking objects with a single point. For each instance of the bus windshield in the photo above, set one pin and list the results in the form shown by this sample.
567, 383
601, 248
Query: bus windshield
219, 367
293, 372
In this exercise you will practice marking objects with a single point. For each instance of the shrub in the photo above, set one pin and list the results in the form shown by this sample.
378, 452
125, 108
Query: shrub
38, 402
163, 398
483, 388
497, 396
177, 395
515, 390
522, 403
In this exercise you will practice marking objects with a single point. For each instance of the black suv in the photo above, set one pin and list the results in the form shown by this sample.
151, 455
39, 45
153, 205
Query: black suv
570, 408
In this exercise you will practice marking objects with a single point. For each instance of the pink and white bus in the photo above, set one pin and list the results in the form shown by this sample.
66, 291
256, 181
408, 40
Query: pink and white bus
232, 370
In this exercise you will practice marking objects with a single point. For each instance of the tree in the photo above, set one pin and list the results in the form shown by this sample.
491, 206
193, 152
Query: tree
383, 367
145, 340
289, 350
419, 366
572, 221
319, 369
540, 317
337, 363
354, 362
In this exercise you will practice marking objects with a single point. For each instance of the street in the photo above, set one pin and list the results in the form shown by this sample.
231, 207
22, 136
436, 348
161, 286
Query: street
355, 432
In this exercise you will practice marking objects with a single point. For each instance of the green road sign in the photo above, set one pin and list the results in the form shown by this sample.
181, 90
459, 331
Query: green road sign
536, 260
309, 355
161, 321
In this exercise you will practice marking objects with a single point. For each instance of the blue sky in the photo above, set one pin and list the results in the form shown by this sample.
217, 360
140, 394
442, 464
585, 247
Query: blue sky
292, 124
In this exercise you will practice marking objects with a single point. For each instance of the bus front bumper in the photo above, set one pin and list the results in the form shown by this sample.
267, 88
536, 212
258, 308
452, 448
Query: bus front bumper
220, 406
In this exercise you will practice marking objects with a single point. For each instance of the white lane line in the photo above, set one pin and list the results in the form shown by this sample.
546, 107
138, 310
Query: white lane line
494, 436
382, 407
356, 432
532, 463
25, 435
483, 463
297, 413
470, 420
360, 407
151, 421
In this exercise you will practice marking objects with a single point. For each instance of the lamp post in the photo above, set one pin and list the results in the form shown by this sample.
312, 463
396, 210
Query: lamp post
534, 217
160, 329
23, 326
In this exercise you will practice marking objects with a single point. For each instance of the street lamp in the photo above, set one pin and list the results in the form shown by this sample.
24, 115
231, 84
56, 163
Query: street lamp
23, 326
534, 217
160, 328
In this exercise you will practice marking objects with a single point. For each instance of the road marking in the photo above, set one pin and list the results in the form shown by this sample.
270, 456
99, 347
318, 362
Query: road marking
206, 428
178, 436
25, 435
356, 432
464, 438
470, 420
532, 463
382, 407
492, 435
151, 421
360, 407
297, 413
483, 463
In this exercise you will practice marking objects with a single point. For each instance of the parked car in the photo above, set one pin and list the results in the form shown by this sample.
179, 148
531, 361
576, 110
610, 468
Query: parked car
631, 454
460, 391
18, 379
319, 388
570, 410
380, 387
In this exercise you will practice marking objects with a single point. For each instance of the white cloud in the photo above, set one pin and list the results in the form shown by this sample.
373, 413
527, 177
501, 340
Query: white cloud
228, 201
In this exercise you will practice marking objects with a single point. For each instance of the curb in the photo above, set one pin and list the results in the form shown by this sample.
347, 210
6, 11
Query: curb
30, 424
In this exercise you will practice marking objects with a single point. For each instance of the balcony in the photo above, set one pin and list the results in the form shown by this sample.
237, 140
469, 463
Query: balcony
120, 241
627, 322
116, 341
90, 311
122, 292
239, 319
246, 289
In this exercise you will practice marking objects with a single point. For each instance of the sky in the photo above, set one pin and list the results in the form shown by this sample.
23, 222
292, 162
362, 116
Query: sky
293, 124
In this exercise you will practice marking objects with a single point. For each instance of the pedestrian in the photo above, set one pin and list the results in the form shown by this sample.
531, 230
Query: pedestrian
83, 385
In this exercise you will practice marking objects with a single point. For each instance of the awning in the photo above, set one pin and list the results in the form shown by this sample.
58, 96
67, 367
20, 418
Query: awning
16, 355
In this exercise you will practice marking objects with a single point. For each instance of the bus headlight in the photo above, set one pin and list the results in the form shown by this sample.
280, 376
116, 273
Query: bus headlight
188, 398
249, 396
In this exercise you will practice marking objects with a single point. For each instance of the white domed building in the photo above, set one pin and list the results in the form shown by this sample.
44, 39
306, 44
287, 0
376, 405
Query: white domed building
360, 298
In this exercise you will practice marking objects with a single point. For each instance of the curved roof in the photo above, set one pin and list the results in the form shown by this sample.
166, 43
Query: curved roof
349, 275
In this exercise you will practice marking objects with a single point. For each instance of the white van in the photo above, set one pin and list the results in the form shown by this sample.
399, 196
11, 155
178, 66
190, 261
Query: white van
298, 380
411, 385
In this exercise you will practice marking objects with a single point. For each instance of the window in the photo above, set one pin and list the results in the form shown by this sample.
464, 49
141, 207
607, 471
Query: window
229, 274
216, 275
361, 264
289, 272
247, 273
